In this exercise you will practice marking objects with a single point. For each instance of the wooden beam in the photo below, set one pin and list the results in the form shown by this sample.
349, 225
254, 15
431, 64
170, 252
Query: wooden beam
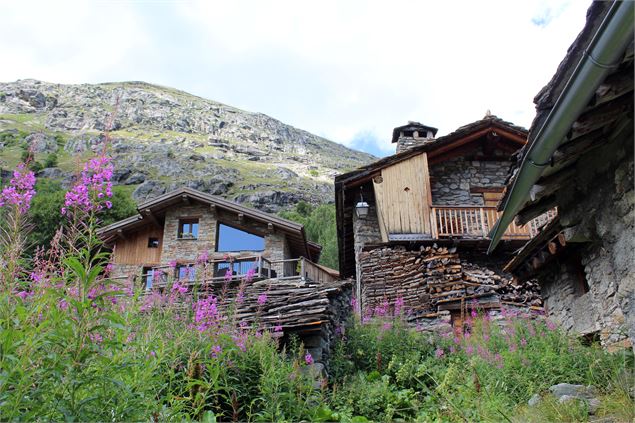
120, 234
212, 208
535, 210
241, 217
270, 228
148, 214
185, 199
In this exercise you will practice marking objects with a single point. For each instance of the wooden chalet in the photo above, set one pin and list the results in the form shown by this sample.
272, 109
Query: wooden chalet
423, 211
201, 239
580, 159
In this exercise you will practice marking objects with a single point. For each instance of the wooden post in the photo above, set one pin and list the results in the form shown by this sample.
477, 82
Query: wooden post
433, 218
260, 265
302, 268
483, 226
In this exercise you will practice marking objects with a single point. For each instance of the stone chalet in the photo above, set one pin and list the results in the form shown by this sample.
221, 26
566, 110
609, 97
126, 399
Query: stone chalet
579, 158
171, 233
415, 225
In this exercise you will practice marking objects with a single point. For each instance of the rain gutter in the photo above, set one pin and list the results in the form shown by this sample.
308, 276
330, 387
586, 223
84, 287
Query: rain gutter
603, 55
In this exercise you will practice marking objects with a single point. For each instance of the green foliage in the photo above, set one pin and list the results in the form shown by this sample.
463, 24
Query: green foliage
12, 138
46, 211
314, 173
35, 166
320, 226
51, 160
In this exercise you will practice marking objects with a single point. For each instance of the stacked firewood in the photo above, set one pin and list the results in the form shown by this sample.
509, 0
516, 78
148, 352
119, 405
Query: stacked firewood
432, 275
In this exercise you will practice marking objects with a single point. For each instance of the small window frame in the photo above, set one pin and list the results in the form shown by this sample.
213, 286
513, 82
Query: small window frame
188, 223
153, 242
242, 229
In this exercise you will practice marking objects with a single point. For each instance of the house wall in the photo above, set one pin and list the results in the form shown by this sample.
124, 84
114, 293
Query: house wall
365, 230
601, 207
452, 179
131, 254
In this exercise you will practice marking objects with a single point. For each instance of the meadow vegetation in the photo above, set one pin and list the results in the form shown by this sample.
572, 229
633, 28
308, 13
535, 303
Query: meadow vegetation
76, 344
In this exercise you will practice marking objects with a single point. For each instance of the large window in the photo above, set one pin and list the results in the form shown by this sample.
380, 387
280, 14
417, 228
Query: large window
232, 239
186, 272
188, 229
147, 276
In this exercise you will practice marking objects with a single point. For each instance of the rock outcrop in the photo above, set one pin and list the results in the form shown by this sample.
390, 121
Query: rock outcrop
162, 138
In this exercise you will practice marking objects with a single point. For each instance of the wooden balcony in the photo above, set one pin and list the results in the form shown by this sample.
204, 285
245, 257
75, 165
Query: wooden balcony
476, 223
256, 266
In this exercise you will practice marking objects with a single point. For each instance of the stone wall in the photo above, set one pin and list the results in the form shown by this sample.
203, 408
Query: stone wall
364, 231
187, 250
452, 179
601, 209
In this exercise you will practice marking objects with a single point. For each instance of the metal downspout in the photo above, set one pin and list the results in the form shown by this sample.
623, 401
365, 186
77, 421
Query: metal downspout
603, 55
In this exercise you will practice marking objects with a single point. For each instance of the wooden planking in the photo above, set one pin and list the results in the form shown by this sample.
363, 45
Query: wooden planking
381, 209
134, 248
403, 197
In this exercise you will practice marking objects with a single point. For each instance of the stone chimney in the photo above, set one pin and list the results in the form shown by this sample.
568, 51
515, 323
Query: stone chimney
412, 134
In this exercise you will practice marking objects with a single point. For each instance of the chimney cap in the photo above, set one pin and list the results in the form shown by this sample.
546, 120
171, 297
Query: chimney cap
412, 126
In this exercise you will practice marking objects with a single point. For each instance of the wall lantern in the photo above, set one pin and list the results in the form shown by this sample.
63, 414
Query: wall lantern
361, 208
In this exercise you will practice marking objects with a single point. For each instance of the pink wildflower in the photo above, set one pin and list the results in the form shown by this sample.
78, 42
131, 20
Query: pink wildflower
354, 302
172, 264
308, 358
24, 294
216, 350
399, 303
386, 326
62, 304
474, 313
20, 190
523, 342
277, 328
513, 348
551, 325
229, 275
202, 259
178, 288
94, 185
96, 338
153, 354
439, 353
469, 350
262, 299
206, 313
452, 349
250, 274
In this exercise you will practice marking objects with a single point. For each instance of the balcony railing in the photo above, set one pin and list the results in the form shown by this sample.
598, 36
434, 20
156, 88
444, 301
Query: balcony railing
476, 223
257, 267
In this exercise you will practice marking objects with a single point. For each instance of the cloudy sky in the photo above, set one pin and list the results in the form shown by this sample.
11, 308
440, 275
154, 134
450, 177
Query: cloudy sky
346, 70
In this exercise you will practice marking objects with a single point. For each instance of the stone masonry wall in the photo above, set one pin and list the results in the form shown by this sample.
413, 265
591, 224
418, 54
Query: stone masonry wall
187, 250
364, 231
452, 179
602, 210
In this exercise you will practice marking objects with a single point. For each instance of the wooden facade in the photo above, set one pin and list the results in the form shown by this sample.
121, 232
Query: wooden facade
134, 248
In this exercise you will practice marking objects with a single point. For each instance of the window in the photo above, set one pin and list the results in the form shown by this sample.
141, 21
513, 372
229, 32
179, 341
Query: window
188, 229
153, 242
147, 276
232, 239
186, 272
575, 267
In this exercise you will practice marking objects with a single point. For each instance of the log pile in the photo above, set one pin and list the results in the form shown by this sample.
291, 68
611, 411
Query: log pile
433, 275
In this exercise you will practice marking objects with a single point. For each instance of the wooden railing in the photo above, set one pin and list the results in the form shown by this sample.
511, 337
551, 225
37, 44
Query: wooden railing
477, 222
256, 267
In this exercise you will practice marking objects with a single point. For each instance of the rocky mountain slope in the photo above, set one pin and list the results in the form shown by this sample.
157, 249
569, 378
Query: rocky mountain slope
162, 138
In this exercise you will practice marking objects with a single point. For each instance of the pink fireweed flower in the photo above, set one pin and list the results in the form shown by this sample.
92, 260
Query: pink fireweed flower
551, 325
452, 350
20, 190
308, 358
37, 276
96, 338
178, 288
202, 259
62, 304
354, 302
250, 274
386, 326
262, 299
206, 313
23, 294
469, 350
523, 342
229, 275
399, 303
172, 264
439, 353
277, 328
93, 187
513, 348
474, 313
216, 350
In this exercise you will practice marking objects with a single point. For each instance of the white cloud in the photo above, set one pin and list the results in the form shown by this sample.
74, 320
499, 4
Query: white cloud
350, 71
